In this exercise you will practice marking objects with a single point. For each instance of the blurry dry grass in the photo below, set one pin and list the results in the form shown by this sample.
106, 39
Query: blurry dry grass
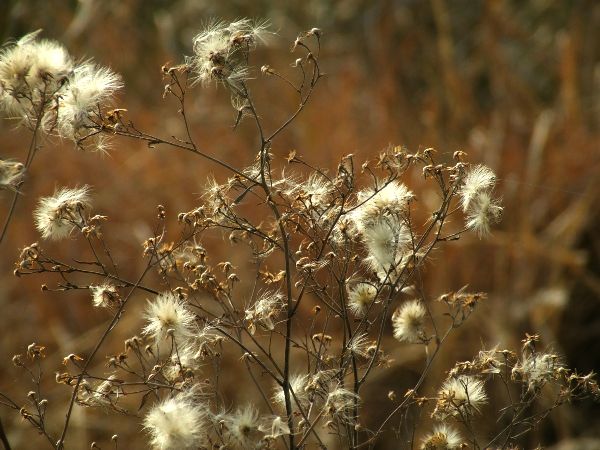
514, 84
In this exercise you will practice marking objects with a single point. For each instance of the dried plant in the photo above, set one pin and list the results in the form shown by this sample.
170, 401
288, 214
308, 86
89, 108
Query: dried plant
337, 256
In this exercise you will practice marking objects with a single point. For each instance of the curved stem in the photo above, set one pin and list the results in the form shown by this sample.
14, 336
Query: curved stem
28, 161
113, 323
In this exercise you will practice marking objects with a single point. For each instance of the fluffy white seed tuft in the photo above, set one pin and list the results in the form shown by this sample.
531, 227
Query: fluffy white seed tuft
379, 221
340, 404
443, 437
32, 72
299, 387
484, 211
179, 422
477, 202
243, 428
183, 363
265, 309
463, 395
538, 368
408, 322
167, 314
90, 87
104, 295
478, 179
392, 199
219, 51
360, 297
387, 243
56, 216
278, 427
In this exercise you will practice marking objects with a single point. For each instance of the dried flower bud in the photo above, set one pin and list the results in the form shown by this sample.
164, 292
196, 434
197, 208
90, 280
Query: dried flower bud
321, 337
315, 32
35, 351
267, 70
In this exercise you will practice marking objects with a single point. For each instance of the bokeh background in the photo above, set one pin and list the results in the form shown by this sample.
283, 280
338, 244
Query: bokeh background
513, 83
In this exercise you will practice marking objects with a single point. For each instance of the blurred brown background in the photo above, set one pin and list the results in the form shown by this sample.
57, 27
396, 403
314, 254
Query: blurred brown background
513, 83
